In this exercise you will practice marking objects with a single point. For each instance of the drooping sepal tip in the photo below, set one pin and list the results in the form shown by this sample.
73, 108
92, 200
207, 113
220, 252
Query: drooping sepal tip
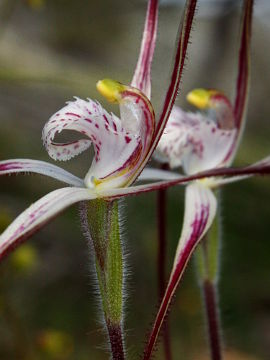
111, 90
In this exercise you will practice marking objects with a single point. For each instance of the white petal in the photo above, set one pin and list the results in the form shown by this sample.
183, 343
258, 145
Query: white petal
174, 141
194, 141
14, 166
86, 117
39, 214
157, 174
200, 210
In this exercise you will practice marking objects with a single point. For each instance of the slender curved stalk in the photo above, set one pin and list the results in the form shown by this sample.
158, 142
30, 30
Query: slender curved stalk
161, 263
162, 240
212, 316
166, 302
161, 259
208, 256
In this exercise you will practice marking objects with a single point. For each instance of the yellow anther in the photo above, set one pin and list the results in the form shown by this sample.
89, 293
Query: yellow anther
201, 98
111, 89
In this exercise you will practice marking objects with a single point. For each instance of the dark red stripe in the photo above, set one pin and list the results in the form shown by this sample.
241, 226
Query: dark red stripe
243, 64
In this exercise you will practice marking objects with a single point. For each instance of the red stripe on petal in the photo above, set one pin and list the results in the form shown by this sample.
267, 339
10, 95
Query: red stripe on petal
141, 78
180, 56
200, 209
243, 64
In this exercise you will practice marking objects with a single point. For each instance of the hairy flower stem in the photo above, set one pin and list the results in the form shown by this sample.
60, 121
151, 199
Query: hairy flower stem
104, 230
208, 261
161, 260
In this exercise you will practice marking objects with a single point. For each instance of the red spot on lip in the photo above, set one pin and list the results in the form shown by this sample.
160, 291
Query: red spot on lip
105, 118
128, 139
73, 114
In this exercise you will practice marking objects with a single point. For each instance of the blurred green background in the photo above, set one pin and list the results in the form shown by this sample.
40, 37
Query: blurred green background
55, 49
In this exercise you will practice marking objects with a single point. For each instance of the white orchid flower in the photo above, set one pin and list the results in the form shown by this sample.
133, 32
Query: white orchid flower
122, 146
204, 145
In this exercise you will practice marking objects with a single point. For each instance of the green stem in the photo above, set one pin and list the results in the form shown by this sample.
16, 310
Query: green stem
104, 231
208, 261
161, 262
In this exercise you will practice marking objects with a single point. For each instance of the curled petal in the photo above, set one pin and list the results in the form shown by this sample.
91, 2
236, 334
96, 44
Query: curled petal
39, 214
200, 209
194, 141
86, 117
15, 166
113, 145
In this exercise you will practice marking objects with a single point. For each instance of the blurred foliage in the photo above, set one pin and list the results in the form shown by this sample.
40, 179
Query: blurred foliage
61, 50
55, 344
24, 258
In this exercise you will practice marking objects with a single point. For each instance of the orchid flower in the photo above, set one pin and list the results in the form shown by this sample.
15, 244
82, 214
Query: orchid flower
122, 147
203, 143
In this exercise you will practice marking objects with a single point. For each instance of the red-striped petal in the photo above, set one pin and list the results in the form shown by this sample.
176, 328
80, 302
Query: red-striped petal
200, 210
142, 76
39, 214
